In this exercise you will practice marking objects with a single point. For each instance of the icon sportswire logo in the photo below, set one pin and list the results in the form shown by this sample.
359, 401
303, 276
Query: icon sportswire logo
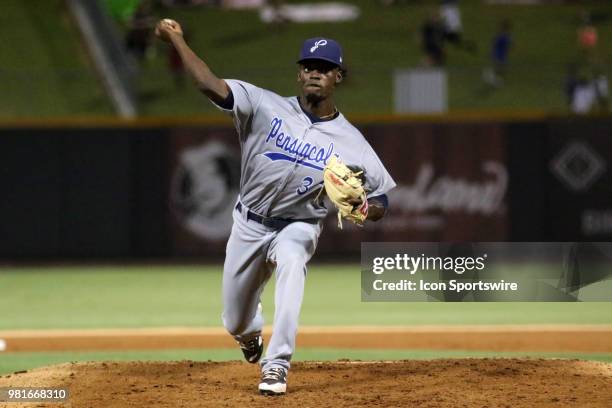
320, 43
304, 154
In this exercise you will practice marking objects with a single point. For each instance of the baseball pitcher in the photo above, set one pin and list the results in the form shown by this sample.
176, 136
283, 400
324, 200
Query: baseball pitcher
295, 151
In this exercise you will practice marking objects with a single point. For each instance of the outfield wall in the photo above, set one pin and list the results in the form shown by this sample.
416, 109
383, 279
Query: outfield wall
166, 190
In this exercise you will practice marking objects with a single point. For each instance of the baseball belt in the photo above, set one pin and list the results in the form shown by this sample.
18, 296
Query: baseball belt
273, 222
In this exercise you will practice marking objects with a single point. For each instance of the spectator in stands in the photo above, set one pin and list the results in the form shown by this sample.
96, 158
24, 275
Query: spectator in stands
587, 33
450, 15
587, 90
587, 85
432, 40
495, 75
140, 31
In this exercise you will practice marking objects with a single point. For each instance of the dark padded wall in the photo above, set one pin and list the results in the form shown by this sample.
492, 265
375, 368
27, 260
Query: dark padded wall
82, 193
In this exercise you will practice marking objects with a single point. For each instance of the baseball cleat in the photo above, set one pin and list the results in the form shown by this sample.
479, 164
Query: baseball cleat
252, 348
273, 381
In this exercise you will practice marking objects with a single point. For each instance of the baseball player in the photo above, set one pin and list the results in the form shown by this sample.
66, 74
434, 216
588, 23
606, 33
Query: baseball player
286, 144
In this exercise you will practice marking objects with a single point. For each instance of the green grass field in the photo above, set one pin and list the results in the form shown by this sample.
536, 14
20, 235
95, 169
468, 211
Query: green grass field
53, 76
44, 70
159, 296
89, 297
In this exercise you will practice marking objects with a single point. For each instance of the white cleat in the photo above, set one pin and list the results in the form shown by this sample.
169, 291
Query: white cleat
273, 382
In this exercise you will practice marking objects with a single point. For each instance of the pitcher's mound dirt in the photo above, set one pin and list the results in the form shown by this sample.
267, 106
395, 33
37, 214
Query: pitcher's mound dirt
436, 383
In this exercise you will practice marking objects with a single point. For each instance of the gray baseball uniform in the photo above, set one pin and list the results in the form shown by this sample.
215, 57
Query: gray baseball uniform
283, 156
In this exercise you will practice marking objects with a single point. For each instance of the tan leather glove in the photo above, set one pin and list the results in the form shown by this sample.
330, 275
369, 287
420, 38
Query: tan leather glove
345, 190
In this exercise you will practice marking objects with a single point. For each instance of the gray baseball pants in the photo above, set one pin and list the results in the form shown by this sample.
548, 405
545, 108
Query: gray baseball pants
252, 252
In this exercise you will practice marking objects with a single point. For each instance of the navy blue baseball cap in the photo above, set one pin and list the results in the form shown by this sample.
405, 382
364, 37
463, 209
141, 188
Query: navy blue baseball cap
320, 48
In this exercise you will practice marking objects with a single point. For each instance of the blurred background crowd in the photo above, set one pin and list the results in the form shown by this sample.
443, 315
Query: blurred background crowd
492, 55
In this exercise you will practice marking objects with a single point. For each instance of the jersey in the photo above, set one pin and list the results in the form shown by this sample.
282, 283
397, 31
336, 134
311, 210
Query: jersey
451, 17
284, 153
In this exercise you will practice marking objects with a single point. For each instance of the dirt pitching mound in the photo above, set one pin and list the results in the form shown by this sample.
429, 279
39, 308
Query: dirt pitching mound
436, 383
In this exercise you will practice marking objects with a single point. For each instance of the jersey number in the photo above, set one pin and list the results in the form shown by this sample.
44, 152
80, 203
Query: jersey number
306, 184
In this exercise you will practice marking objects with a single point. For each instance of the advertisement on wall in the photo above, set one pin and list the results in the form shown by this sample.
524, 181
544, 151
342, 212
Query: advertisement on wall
451, 185
204, 184
580, 182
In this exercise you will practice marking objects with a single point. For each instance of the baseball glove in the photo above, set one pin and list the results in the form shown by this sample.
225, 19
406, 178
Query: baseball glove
344, 187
